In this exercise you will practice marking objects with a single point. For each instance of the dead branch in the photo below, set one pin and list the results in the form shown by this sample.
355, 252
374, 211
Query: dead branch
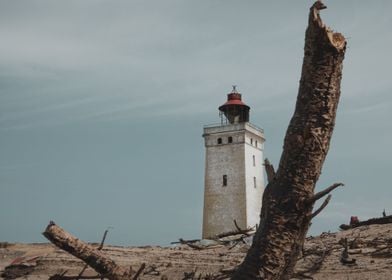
64, 277
151, 270
189, 241
82, 271
322, 193
316, 265
139, 271
234, 232
322, 206
345, 259
236, 225
103, 239
199, 247
99, 248
102, 264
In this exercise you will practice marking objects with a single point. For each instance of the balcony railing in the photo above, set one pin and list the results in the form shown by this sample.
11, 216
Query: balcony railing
228, 124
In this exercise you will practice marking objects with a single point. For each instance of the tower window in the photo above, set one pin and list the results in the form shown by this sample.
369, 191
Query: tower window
251, 141
219, 140
254, 182
256, 143
230, 139
224, 183
254, 160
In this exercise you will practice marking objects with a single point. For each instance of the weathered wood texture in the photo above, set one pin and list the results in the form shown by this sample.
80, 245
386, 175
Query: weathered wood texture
288, 198
269, 169
91, 256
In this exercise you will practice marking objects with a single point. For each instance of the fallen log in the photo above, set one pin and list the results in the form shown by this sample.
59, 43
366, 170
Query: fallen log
373, 221
102, 264
247, 232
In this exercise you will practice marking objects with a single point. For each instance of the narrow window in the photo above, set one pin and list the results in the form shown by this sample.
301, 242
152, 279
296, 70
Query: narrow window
230, 139
254, 160
224, 180
251, 141
219, 140
256, 143
254, 182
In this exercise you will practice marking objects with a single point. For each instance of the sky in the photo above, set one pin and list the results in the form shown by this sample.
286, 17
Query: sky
102, 105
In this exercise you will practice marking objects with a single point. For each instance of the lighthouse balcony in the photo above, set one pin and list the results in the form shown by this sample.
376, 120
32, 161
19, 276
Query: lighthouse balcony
223, 127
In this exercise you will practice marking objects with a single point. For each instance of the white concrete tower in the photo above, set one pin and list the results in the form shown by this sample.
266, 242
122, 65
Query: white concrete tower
234, 170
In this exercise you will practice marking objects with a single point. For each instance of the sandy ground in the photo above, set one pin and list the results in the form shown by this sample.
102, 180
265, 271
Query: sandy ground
371, 246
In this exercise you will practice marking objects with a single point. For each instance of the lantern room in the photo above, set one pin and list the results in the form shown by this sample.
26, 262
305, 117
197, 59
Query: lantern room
234, 110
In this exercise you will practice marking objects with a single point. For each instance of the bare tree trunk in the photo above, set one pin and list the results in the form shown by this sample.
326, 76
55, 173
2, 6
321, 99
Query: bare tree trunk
288, 199
91, 256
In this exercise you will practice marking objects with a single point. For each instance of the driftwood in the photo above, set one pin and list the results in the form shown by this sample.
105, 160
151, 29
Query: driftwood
345, 259
224, 274
86, 266
65, 277
314, 268
15, 271
231, 238
97, 260
246, 232
180, 241
289, 198
194, 245
373, 221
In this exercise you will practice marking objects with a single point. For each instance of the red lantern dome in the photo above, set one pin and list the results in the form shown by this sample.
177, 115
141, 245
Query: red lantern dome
234, 109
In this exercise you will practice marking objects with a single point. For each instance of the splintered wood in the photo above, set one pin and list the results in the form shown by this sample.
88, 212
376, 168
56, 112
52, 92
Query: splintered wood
289, 197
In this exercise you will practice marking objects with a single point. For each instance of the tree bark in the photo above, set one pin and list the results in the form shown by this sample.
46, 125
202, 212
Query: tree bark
269, 169
91, 256
288, 198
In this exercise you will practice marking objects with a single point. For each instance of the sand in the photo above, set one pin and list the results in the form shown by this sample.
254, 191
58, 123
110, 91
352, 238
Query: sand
372, 250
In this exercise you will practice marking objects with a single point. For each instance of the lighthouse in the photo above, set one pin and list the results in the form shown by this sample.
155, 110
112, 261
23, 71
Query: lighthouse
234, 170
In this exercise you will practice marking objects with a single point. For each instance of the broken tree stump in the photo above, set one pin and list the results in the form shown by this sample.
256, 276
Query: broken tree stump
289, 197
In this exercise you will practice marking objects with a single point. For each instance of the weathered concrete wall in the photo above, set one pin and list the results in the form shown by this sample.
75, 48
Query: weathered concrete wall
239, 200
254, 170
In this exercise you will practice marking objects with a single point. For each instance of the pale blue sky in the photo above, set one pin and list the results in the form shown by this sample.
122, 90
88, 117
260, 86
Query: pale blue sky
102, 105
